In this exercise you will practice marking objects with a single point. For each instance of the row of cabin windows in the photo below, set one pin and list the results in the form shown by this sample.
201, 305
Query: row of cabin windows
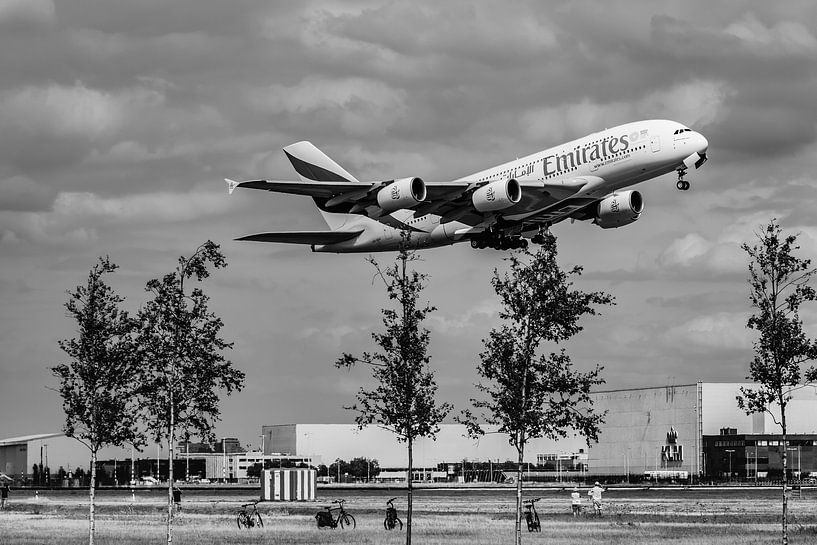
572, 169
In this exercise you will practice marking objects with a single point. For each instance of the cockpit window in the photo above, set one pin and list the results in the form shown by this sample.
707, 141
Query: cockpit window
679, 131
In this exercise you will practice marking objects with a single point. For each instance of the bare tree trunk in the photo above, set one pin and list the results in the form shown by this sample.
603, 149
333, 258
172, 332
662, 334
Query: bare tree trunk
410, 490
785, 537
520, 449
91, 517
170, 433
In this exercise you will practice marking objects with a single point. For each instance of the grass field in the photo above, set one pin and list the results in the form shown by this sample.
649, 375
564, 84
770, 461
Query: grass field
439, 519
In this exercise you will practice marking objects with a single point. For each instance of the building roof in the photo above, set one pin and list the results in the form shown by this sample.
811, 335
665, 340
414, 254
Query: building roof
26, 438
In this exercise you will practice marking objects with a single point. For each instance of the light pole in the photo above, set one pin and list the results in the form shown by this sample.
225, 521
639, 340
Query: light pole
730, 451
627, 464
223, 459
797, 448
755, 462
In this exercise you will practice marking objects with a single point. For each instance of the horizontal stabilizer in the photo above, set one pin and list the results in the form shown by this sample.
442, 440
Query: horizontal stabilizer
303, 237
325, 190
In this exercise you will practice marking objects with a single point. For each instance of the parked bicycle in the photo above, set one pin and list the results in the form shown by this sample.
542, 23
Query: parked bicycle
249, 518
325, 518
531, 516
392, 520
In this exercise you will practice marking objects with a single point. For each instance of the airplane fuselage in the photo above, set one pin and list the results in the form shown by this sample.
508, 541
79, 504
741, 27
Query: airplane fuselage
601, 164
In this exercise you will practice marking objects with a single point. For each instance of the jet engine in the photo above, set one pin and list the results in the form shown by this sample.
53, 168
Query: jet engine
402, 193
619, 209
497, 195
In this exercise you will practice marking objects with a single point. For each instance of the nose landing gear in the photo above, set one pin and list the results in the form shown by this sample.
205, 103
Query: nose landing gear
682, 184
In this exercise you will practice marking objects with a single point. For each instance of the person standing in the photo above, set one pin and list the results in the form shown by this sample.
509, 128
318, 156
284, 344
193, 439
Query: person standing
595, 495
177, 498
4, 494
576, 502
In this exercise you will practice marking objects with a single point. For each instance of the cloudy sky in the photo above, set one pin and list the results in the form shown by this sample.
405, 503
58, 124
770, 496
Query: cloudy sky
118, 121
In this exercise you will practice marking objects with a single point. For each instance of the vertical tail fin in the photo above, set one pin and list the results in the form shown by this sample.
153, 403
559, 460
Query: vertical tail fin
313, 165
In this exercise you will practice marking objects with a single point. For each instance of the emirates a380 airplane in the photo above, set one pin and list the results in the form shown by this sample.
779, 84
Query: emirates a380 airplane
500, 207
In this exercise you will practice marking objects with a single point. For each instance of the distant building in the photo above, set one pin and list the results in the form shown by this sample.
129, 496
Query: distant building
747, 457
19, 455
664, 432
663, 429
216, 467
230, 445
451, 456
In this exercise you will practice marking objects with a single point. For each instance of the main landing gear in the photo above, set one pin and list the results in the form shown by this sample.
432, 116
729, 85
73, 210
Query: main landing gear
539, 238
682, 184
498, 241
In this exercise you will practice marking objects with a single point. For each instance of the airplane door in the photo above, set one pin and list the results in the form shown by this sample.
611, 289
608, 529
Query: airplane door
655, 143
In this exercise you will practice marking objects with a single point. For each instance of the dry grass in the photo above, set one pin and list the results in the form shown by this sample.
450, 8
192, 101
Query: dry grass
439, 520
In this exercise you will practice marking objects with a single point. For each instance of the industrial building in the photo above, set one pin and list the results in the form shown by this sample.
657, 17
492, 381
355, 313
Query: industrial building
673, 429
663, 432
438, 459
19, 455
683, 431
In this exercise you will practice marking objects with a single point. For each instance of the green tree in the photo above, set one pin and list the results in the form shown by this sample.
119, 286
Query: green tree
254, 471
183, 368
364, 468
528, 394
97, 385
779, 282
403, 398
338, 469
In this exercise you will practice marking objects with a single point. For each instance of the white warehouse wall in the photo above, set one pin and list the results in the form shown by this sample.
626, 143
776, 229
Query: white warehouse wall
327, 442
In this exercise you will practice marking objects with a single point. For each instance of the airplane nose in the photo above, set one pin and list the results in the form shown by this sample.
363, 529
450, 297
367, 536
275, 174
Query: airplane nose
702, 144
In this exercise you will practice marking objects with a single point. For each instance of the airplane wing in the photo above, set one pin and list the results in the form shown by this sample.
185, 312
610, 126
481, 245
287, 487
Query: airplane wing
586, 191
303, 237
451, 200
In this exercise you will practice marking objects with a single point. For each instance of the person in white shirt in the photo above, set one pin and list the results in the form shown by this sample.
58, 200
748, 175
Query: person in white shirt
576, 502
595, 495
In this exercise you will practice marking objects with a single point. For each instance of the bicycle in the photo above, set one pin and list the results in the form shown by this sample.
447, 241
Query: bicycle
531, 516
249, 519
391, 520
324, 518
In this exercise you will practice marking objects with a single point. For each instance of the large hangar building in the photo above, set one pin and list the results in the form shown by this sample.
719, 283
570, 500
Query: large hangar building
669, 428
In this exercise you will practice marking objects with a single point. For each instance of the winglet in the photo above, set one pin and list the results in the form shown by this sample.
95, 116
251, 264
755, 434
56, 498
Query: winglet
231, 185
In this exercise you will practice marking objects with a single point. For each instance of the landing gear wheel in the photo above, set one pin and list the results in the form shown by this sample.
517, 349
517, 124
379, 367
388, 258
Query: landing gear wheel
682, 184
474, 243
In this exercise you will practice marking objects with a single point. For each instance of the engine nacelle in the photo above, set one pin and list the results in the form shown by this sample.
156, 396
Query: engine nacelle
497, 195
619, 209
402, 193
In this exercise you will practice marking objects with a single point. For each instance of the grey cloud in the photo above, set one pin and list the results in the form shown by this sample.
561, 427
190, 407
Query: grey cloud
23, 15
19, 193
